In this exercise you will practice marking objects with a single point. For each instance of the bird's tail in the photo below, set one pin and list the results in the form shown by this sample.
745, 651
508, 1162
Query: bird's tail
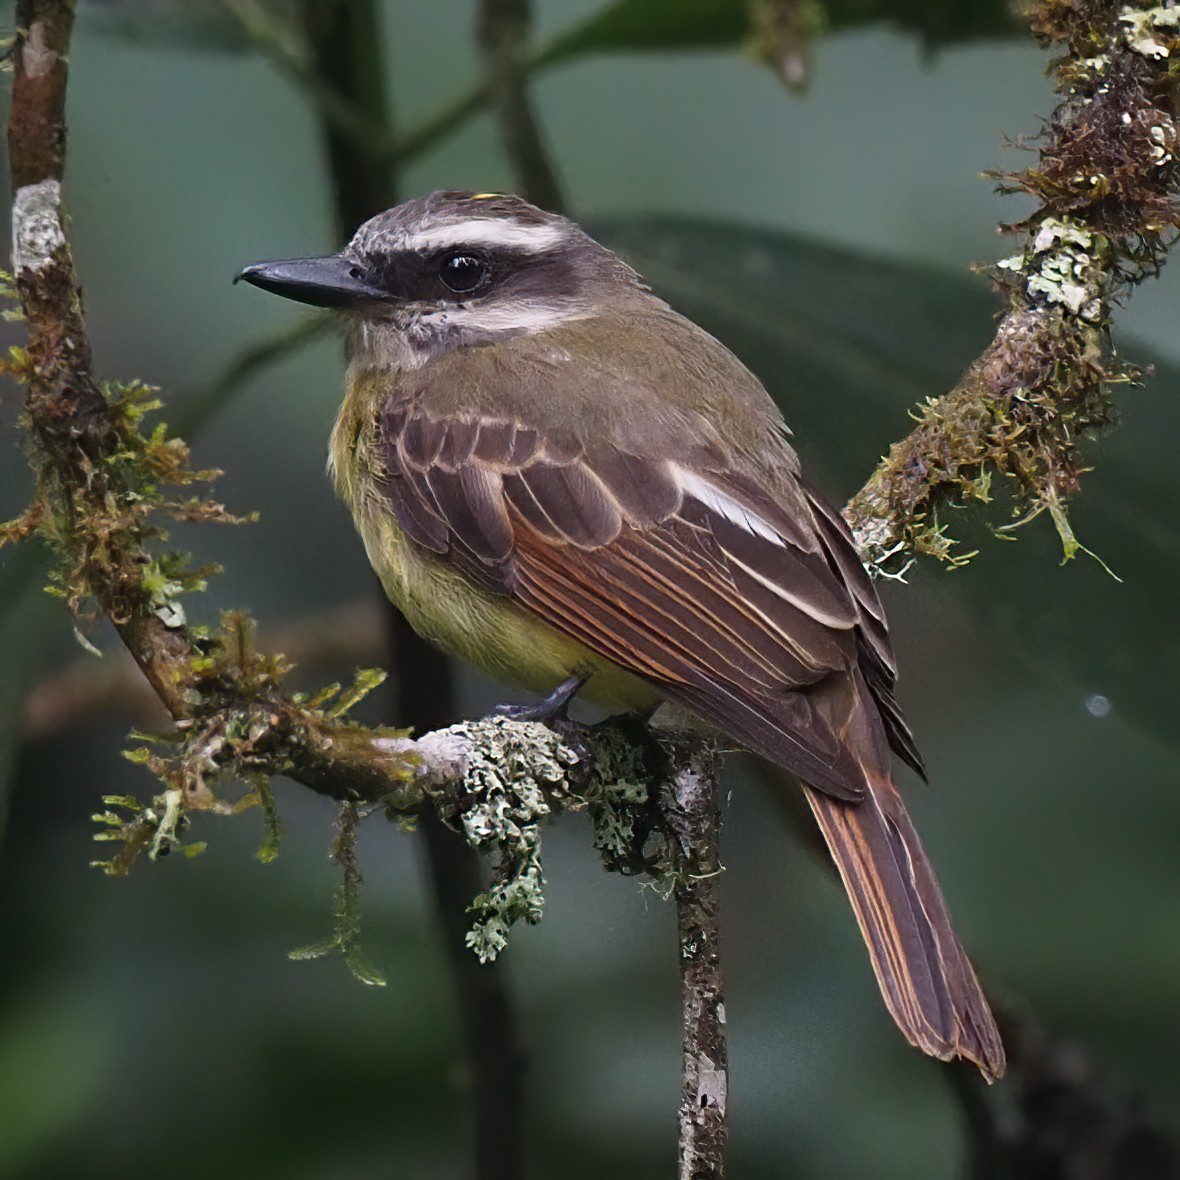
925, 977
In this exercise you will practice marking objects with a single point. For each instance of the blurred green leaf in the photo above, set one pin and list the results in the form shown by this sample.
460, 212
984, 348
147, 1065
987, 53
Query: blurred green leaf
846, 343
26, 626
193, 24
654, 25
648, 25
937, 22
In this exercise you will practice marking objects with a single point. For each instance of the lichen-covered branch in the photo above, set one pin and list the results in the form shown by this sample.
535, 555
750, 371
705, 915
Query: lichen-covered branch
1107, 180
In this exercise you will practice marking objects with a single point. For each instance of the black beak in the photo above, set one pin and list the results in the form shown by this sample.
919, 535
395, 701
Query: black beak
333, 281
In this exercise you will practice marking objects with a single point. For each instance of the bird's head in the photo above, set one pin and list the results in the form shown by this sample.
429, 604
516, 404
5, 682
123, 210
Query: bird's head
453, 269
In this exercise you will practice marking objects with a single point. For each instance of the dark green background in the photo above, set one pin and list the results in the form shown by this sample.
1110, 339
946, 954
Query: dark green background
154, 1026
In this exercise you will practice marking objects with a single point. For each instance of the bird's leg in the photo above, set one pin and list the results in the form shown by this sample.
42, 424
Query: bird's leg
553, 711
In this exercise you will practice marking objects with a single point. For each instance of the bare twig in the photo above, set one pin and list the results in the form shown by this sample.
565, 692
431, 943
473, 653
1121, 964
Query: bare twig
1064, 1118
690, 811
502, 32
294, 59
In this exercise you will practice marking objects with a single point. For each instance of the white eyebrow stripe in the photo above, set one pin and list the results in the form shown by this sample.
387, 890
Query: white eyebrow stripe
487, 231
725, 505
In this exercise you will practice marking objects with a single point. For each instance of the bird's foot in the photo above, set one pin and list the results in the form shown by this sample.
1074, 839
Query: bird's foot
554, 707
553, 711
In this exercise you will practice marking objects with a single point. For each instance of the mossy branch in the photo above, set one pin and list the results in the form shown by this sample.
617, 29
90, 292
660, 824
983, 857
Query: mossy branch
1107, 180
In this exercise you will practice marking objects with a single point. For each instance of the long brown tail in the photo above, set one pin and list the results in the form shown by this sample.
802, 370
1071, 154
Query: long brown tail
925, 977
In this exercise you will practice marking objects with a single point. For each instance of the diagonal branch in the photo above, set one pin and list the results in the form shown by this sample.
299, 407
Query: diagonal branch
95, 467
1107, 180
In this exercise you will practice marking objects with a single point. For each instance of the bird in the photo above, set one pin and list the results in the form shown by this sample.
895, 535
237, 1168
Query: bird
564, 482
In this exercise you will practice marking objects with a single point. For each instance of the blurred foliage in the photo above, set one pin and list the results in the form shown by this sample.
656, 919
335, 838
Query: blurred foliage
29, 624
193, 24
155, 1023
619, 26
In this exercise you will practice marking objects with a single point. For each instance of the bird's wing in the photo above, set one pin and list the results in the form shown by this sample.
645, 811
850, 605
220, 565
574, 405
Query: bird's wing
696, 580
759, 619
876, 652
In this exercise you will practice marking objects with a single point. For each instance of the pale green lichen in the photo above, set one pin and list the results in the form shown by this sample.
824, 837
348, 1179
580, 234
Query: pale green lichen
1161, 137
618, 800
1146, 31
511, 771
163, 592
1059, 267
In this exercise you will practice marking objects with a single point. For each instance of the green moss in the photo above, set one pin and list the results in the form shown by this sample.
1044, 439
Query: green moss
345, 940
1106, 181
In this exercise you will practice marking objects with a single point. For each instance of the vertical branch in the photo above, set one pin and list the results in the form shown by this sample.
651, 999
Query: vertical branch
346, 47
39, 92
502, 32
66, 407
690, 806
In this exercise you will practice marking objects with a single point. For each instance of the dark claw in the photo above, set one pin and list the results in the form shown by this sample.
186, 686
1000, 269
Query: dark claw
553, 708
553, 711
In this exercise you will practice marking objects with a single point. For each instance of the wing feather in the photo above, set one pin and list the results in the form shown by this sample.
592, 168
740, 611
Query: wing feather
574, 499
738, 607
877, 661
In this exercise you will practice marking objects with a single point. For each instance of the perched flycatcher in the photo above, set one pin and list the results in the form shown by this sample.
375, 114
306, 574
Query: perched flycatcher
557, 476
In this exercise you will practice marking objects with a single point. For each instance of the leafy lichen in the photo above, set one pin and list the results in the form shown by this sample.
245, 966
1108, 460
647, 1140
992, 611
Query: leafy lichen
1151, 32
512, 772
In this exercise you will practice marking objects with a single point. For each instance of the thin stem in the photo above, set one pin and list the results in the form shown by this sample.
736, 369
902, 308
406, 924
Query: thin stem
345, 49
502, 32
689, 803
276, 41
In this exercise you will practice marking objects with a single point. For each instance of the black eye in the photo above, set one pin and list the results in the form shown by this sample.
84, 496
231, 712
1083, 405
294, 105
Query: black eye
463, 272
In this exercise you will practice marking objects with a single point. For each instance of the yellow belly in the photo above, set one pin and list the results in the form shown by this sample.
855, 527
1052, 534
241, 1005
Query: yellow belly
488, 630
484, 629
